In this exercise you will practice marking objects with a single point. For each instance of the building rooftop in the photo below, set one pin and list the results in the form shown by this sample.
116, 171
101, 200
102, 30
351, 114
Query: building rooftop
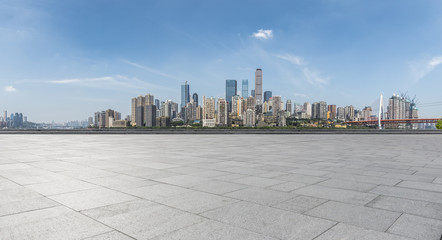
322, 187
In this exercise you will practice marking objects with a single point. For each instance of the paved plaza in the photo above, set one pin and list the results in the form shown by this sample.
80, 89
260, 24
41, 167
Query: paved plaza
252, 187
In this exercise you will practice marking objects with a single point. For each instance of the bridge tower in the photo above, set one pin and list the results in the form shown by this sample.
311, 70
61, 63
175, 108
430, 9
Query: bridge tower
381, 111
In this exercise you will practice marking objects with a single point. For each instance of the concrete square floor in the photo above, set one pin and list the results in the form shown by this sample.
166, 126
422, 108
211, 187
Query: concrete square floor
206, 187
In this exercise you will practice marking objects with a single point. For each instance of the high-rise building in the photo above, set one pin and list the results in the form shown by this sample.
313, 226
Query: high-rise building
322, 114
252, 93
258, 86
332, 110
208, 108
133, 109
276, 105
139, 116
185, 94
5, 116
236, 105
267, 96
149, 100
249, 118
349, 113
157, 103
307, 110
315, 110
108, 114
245, 88
195, 99
150, 115
340, 114
231, 89
223, 115
288, 106
396, 107
366, 113
251, 103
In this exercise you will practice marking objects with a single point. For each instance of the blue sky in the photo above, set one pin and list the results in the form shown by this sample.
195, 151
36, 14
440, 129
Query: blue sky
64, 60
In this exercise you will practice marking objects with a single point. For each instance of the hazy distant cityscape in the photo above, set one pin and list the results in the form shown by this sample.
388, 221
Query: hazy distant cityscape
240, 108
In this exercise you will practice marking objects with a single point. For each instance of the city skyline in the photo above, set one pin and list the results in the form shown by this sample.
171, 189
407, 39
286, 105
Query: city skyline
342, 53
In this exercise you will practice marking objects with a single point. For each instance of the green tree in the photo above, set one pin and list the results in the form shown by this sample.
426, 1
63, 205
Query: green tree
439, 124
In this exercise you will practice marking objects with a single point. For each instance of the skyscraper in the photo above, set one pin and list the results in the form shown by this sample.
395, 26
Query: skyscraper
185, 94
5, 115
195, 99
223, 115
231, 88
150, 115
134, 109
245, 88
108, 114
349, 113
276, 105
307, 110
333, 112
148, 99
322, 110
288, 106
267, 96
252, 93
209, 108
258, 86
396, 107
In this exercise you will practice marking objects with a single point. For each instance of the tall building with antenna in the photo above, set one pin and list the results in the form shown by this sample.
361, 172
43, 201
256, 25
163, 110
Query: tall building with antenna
258, 86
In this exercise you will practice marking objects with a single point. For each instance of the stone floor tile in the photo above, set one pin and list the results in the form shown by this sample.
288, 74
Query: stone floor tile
58, 187
422, 186
261, 196
335, 194
415, 207
211, 230
91, 198
287, 186
219, 187
348, 232
157, 191
417, 227
301, 178
300, 204
270, 221
121, 182
409, 193
375, 219
365, 179
50, 223
257, 181
184, 180
349, 185
142, 219
310, 172
196, 202
114, 235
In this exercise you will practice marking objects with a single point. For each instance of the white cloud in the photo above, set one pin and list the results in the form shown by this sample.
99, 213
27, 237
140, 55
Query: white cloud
263, 34
151, 70
82, 80
10, 89
117, 81
313, 77
422, 68
292, 58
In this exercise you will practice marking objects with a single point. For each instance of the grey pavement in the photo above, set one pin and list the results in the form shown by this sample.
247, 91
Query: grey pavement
322, 187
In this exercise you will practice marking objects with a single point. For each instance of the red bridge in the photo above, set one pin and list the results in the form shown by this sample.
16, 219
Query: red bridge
395, 121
